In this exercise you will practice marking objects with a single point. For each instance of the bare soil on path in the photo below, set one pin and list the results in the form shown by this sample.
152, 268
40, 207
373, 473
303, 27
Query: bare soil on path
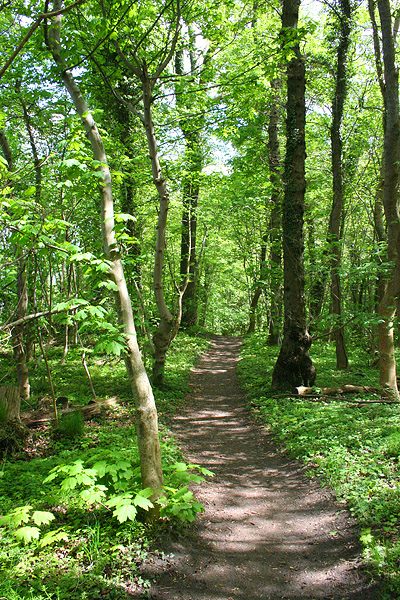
268, 531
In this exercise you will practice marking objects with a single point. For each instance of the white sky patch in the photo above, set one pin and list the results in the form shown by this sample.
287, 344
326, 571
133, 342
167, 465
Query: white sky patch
219, 158
311, 9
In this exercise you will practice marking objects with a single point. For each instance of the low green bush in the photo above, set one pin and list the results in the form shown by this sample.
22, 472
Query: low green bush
92, 545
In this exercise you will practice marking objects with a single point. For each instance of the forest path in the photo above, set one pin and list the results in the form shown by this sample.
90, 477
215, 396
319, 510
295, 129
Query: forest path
268, 532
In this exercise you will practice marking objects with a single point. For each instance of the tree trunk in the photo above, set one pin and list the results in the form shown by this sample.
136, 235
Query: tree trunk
191, 129
191, 189
17, 332
387, 306
294, 366
146, 412
169, 324
10, 404
273, 230
275, 221
257, 291
335, 221
318, 279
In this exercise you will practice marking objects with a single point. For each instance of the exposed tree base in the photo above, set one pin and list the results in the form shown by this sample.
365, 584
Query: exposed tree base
294, 366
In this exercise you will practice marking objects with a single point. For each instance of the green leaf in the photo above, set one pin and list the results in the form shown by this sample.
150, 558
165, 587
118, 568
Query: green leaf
52, 475
16, 517
92, 495
108, 285
119, 500
180, 467
72, 162
147, 492
123, 217
69, 483
206, 472
143, 502
125, 512
52, 537
27, 534
40, 517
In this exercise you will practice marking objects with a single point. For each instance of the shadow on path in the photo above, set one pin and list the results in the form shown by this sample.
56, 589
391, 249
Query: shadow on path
268, 532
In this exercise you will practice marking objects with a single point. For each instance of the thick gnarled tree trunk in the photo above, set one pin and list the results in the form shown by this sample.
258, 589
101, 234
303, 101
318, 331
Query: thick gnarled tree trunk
294, 366
146, 412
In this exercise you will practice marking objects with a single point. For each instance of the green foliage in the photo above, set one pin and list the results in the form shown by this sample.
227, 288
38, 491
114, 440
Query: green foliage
17, 521
71, 425
114, 482
96, 543
355, 450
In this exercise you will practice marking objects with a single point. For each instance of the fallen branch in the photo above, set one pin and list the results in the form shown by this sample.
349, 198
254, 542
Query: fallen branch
88, 411
317, 398
302, 390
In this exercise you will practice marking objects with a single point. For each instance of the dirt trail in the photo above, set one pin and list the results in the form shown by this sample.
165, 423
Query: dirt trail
268, 532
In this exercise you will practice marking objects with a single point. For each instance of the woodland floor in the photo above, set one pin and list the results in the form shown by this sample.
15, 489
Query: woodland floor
268, 531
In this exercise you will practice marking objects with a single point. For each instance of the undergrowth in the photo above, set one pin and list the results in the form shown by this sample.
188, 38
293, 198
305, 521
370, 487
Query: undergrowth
353, 449
76, 534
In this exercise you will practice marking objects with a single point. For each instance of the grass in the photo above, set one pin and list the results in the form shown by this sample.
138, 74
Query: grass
101, 557
353, 449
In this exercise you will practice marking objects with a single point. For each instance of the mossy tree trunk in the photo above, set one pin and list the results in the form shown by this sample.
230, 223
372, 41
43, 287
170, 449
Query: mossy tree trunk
336, 216
294, 366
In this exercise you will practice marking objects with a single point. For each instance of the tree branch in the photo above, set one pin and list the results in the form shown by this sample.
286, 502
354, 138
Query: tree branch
31, 31
37, 315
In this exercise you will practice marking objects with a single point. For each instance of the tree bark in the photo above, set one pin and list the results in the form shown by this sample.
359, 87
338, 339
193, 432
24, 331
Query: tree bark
387, 305
336, 216
294, 366
273, 230
146, 412
169, 323
275, 221
10, 403
191, 130
258, 288
17, 332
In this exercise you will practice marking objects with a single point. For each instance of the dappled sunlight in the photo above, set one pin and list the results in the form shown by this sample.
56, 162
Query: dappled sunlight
267, 530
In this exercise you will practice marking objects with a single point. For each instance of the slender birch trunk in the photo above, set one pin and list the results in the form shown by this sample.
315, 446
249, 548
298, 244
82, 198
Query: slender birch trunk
146, 412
